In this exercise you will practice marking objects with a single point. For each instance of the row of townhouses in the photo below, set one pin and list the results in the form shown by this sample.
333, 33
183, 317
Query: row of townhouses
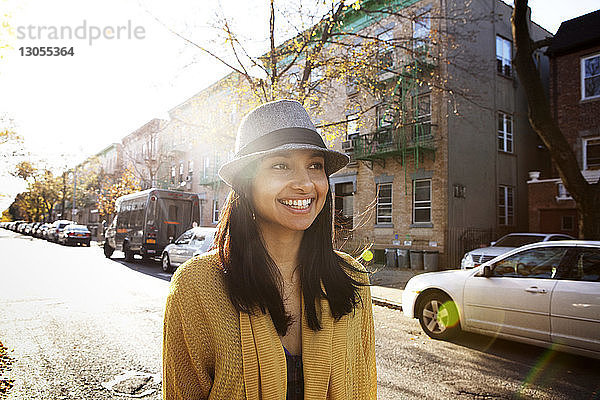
443, 162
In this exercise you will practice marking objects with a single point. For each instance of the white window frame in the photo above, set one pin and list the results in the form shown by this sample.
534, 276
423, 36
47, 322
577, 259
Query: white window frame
384, 219
421, 31
506, 212
422, 119
352, 127
563, 194
384, 115
385, 47
317, 74
421, 204
583, 77
505, 138
215, 211
584, 151
504, 54
206, 167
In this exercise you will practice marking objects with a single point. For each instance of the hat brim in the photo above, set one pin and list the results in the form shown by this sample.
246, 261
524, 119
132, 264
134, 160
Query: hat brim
334, 160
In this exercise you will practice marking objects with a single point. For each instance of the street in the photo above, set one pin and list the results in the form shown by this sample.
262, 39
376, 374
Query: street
73, 320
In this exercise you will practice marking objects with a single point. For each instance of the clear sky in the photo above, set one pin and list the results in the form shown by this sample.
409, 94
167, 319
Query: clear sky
68, 108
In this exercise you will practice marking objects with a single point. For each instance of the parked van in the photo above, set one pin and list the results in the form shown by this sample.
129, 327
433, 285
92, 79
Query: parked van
147, 221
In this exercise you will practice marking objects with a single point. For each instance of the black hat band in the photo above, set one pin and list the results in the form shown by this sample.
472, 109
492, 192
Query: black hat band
282, 137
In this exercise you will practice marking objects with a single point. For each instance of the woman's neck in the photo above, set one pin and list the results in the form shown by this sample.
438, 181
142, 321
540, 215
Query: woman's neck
284, 248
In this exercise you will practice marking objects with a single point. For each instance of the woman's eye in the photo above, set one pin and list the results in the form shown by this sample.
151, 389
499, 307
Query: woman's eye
279, 166
316, 165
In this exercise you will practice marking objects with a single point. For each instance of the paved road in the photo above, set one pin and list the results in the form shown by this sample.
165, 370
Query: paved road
75, 320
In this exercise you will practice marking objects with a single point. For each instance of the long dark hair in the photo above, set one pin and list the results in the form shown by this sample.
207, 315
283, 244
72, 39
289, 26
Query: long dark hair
253, 279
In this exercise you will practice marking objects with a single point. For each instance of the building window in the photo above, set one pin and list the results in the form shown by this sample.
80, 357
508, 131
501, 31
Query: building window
190, 167
421, 33
563, 194
591, 153
215, 211
352, 128
590, 77
505, 206
567, 223
173, 174
422, 200
505, 132
181, 171
344, 205
385, 50
384, 203
503, 56
316, 76
351, 84
423, 117
206, 167
385, 115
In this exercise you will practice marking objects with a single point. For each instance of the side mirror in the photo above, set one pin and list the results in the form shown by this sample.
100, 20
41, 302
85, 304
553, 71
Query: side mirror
487, 271
171, 240
492, 243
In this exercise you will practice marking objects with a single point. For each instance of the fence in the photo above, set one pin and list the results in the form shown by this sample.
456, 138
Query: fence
461, 240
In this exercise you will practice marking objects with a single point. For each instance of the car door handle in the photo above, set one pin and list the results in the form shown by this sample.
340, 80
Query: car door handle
535, 289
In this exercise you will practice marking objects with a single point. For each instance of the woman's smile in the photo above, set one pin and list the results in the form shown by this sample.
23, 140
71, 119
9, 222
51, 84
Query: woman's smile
297, 204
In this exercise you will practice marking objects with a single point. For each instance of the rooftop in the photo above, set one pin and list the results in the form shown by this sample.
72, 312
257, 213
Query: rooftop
577, 33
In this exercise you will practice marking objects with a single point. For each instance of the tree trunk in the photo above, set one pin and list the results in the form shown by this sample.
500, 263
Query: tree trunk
586, 196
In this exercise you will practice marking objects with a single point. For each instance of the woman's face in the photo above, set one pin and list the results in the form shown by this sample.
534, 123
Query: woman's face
289, 190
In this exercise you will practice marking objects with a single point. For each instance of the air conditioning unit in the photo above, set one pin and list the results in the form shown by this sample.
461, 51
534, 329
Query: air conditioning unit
347, 145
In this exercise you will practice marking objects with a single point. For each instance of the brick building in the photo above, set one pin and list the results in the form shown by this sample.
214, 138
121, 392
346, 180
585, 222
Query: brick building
575, 102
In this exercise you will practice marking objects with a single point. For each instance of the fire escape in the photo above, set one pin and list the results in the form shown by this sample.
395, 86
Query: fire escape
404, 130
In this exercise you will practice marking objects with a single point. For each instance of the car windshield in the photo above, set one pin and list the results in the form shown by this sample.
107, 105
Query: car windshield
518, 240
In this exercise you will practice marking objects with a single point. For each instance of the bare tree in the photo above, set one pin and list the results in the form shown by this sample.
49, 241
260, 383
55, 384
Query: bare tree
586, 195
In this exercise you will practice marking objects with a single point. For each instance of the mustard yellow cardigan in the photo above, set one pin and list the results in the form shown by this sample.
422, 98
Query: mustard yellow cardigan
212, 351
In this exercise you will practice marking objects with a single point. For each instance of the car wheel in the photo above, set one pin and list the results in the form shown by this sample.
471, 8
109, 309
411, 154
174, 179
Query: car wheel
128, 253
166, 263
108, 251
87, 244
438, 316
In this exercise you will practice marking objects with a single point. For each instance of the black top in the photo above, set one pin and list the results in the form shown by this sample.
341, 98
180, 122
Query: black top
295, 376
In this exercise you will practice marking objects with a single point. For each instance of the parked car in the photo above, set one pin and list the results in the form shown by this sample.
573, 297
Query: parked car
74, 234
33, 228
545, 294
56, 228
23, 227
39, 232
191, 243
506, 243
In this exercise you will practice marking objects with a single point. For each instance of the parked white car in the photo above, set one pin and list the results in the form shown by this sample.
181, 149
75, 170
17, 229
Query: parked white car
191, 243
476, 257
545, 294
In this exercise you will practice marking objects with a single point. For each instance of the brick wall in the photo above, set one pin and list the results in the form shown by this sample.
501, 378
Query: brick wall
546, 212
573, 115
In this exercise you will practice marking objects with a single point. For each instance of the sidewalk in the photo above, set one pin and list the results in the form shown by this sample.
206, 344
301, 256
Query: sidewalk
388, 284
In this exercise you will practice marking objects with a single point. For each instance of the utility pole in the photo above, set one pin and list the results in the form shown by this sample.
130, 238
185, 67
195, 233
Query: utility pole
74, 192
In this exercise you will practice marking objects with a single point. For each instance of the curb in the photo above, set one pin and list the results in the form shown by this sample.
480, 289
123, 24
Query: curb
386, 303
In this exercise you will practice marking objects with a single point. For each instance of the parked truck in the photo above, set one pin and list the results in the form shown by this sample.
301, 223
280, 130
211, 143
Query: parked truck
147, 221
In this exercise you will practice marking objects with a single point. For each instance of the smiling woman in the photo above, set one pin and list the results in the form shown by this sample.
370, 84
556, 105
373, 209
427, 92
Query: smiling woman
273, 312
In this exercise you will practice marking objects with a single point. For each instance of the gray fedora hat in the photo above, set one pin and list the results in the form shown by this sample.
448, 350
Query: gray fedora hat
277, 126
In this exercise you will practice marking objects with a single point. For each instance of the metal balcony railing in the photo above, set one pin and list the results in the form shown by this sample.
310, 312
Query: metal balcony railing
387, 142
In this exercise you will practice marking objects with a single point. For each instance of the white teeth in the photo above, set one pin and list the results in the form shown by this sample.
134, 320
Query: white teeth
299, 204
